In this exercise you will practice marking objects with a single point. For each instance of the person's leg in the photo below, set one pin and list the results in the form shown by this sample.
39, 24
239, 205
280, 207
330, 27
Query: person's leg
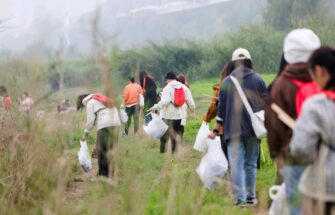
130, 112
112, 142
165, 138
136, 117
250, 165
292, 176
236, 154
279, 160
102, 147
176, 135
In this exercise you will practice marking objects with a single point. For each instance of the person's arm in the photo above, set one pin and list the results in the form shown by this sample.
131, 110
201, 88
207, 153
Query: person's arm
306, 135
221, 109
125, 95
189, 99
212, 109
165, 99
90, 117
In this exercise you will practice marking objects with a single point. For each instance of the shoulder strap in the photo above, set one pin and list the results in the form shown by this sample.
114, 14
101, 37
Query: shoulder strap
96, 114
242, 95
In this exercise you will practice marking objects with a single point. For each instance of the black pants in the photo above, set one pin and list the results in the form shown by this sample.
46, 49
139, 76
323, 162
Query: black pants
174, 133
106, 138
132, 111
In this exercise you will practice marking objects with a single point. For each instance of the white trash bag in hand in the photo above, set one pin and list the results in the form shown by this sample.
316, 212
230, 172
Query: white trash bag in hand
213, 165
84, 156
279, 204
123, 114
201, 139
156, 128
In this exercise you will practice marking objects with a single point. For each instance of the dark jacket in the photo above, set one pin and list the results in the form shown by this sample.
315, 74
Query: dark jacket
231, 111
149, 92
283, 93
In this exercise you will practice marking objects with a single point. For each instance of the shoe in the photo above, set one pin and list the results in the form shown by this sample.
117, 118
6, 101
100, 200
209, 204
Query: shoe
124, 134
240, 203
251, 201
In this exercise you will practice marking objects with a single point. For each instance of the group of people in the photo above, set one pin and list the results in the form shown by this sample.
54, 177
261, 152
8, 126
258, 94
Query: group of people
102, 113
304, 89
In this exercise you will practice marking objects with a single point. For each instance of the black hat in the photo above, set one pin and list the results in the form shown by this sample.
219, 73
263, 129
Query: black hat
170, 76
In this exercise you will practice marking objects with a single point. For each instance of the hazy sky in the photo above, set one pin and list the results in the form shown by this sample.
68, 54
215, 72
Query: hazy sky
22, 12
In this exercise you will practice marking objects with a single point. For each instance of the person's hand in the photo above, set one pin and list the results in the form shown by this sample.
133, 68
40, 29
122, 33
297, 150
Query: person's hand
212, 135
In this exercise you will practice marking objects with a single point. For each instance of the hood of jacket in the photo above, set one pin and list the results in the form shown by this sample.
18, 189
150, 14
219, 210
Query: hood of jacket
298, 71
175, 84
242, 73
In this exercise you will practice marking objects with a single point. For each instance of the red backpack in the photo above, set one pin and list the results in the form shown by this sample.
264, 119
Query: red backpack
7, 102
179, 97
305, 90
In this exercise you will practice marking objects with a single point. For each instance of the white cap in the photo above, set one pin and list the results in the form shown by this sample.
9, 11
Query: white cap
299, 44
240, 54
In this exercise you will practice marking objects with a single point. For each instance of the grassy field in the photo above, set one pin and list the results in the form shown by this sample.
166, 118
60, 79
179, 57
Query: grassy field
146, 181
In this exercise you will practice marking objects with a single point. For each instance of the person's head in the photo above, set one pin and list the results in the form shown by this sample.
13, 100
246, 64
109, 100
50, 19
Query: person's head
181, 78
322, 67
143, 74
80, 99
131, 79
3, 91
25, 95
227, 70
299, 44
241, 57
170, 76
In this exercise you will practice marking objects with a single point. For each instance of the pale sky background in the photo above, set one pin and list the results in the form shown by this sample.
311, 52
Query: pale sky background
22, 12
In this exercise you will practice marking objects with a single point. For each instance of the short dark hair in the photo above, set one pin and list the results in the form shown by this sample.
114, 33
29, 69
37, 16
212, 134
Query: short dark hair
131, 79
80, 99
324, 57
170, 76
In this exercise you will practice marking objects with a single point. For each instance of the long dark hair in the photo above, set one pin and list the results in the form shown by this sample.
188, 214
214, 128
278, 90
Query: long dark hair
144, 74
324, 57
80, 99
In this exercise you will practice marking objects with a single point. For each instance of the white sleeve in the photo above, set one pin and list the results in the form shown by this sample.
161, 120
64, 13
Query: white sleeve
165, 99
189, 99
90, 116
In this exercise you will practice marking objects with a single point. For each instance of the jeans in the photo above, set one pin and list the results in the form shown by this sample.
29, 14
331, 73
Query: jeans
292, 174
106, 138
174, 133
132, 111
243, 155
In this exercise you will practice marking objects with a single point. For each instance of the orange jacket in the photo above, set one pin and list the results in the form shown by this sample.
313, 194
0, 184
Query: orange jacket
131, 94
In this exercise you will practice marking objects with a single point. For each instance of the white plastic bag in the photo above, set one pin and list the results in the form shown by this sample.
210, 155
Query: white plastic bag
84, 157
213, 164
156, 128
279, 204
141, 101
201, 139
123, 114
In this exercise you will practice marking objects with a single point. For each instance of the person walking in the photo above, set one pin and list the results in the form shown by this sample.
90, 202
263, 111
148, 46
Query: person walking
149, 88
213, 107
102, 114
298, 46
243, 145
313, 139
26, 103
5, 104
131, 100
175, 100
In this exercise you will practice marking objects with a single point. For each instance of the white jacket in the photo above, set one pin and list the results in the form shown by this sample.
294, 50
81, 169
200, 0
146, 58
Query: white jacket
169, 110
99, 115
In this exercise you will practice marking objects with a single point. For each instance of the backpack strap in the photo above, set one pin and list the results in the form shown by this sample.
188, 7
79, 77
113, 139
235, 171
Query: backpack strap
96, 114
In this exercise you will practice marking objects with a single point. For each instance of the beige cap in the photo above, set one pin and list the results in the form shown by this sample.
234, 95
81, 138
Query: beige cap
240, 54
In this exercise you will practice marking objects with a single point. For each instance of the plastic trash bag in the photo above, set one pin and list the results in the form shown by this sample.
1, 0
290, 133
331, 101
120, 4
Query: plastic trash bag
156, 128
213, 165
201, 139
123, 114
279, 204
84, 156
